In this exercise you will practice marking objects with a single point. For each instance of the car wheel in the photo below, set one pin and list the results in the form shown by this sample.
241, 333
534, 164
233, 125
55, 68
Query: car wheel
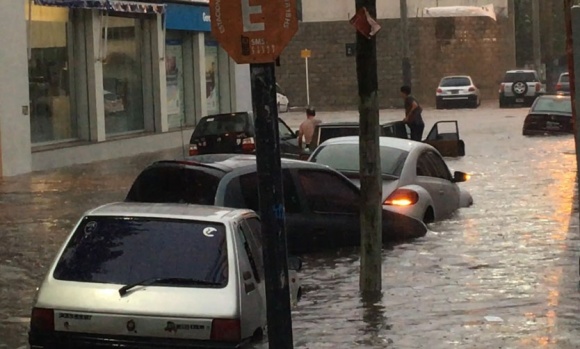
438, 105
503, 103
474, 104
429, 216
519, 88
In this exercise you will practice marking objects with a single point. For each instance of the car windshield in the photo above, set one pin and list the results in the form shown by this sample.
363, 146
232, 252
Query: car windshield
565, 78
345, 158
329, 132
216, 125
455, 82
125, 250
553, 105
174, 184
520, 76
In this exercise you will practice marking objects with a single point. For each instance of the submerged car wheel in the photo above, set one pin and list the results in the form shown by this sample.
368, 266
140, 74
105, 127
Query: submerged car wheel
429, 216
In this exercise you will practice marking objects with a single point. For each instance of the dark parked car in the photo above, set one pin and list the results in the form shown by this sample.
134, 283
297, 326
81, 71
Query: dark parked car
235, 133
321, 205
563, 85
549, 115
444, 135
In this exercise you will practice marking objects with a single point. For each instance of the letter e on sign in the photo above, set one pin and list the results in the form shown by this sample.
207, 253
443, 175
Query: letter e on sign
253, 31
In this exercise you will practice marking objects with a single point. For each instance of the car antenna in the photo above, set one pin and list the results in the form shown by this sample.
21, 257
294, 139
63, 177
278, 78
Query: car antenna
182, 139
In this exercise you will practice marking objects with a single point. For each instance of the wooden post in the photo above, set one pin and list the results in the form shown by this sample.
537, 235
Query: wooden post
370, 174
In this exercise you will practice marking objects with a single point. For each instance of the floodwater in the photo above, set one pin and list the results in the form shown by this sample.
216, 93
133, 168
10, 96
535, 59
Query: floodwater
501, 274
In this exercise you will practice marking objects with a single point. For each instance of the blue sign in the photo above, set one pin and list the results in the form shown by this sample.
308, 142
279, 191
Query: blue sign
187, 17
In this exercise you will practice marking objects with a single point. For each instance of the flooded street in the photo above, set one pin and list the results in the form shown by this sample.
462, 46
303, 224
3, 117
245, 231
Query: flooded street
501, 274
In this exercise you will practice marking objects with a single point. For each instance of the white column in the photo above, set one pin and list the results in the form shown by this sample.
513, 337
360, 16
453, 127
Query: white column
199, 74
95, 91
225, 77
15, 147
242, 89
189, 80
159, 75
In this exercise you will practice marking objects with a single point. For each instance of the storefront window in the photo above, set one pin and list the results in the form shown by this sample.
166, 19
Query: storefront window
51, 118
122, 77
174, 79
212, 75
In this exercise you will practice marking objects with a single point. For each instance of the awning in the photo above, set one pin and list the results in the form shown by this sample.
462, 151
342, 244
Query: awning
109, 5
460, 11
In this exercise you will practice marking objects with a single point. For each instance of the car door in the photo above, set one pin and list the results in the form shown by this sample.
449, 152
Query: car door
240, 190
444, 136
288, 141
450, 190
426, 178
396, 129
251, 266
332, 209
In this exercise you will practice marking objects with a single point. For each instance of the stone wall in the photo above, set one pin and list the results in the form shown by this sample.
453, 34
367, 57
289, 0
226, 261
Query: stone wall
474, 46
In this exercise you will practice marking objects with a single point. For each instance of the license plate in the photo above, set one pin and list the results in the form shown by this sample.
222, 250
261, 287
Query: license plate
519, 100
551, 125
454, 92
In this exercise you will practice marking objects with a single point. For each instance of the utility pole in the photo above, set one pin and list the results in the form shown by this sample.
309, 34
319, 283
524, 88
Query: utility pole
572, 21
536, 36
406, 64
271, 206
370, 161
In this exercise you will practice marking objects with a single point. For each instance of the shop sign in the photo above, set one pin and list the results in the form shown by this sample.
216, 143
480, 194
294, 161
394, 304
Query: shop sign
188, 17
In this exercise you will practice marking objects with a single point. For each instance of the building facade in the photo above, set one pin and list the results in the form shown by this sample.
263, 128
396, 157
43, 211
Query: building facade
476, 46
86, 80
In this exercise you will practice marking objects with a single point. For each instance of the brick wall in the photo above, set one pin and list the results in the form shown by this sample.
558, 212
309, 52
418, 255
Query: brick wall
477, 46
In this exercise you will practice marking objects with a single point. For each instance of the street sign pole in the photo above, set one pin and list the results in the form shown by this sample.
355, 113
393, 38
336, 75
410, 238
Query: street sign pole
307, 83
306, 55
256, 34
271, 206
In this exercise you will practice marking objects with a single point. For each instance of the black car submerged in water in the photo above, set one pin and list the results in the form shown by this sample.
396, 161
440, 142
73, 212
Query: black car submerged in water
321, 205
549, 115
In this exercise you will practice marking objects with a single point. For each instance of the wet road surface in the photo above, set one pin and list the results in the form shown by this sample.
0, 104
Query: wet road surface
513, 255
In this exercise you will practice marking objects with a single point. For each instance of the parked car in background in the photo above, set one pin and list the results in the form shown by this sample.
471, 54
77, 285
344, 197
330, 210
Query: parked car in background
444, 135
416, 180
549, 115
456, 91
113, 103
282, 99
321, 205
143, 276
520, 87
563, 85
235, 133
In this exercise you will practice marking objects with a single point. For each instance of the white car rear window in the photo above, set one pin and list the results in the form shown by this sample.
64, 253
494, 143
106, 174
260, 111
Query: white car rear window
125, 250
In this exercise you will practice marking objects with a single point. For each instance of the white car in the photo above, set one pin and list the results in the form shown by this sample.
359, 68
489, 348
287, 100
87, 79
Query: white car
416, 179
457, 90
155, 275
282, 99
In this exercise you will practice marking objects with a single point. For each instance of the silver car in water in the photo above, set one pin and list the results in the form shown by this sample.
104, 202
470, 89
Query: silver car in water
155, 275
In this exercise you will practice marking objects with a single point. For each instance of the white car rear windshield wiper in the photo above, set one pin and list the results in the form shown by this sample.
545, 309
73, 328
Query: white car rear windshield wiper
173, 281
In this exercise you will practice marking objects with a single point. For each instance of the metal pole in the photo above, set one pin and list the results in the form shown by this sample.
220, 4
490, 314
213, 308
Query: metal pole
370, 161
536, 36
271, 206
307, 83
406, 62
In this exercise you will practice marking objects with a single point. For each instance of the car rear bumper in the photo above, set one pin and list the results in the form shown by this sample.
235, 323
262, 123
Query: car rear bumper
456, 98
541, 132
59, 340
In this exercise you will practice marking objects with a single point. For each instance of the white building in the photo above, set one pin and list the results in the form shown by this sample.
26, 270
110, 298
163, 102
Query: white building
87, 80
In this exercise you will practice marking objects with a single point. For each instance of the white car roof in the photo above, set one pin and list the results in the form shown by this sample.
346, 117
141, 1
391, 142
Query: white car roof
456, 76
520, 71
172, 211
397, 143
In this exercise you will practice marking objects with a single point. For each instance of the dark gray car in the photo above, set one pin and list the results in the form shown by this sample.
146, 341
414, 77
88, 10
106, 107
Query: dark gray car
321, 205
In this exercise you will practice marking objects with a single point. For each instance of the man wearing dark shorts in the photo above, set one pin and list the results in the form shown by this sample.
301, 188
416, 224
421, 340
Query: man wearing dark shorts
413, 116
